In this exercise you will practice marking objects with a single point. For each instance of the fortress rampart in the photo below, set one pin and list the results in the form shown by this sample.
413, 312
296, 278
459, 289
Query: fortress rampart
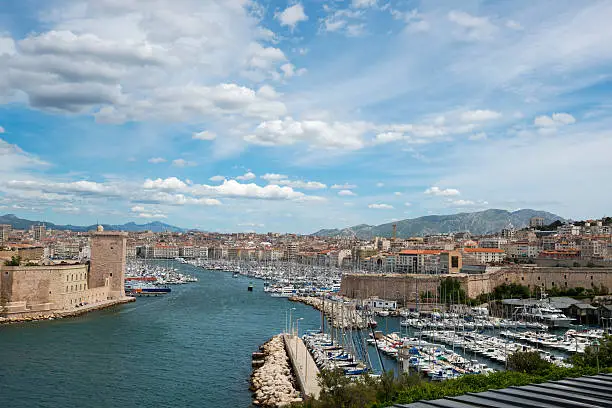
35, 291
404, 287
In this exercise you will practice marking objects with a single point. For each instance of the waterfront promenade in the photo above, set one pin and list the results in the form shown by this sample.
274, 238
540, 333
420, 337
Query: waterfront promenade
305, 370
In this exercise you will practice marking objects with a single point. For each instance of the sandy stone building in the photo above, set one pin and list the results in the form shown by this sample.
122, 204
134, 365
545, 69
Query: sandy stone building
30, 291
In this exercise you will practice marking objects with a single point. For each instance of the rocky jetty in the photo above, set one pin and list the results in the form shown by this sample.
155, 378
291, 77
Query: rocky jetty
340, 315
37, 316
272, 381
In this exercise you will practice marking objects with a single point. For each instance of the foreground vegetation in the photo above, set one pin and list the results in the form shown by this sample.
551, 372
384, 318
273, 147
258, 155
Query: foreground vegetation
338, 391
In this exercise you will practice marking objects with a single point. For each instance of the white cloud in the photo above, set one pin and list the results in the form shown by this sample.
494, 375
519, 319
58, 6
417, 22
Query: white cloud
251, 224
307, 185
364, 3
472, 27
346, 193
150, 215
407, 204
397, 193
292, 15
273, 177
515, 25
555, 120
247, 176
478, 136
13, 158
345, 186
287, 131
290, 71
229, 188
480, 115
388, 137
183, 163
217, 178
168, 184
437, 191
381, 206
2, 130
157, 160
463, 203
204, 135
380, 184
141, 212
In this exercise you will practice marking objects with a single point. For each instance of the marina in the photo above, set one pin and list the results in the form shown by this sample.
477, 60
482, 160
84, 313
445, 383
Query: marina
191, 347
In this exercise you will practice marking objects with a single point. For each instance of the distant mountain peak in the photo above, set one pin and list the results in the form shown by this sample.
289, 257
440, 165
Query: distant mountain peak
479, 223
155, 226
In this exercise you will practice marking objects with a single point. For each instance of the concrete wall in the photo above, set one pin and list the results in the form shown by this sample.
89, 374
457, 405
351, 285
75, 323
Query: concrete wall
402, 287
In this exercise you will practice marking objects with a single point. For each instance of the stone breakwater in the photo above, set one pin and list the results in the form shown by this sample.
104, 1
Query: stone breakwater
339, 314
32, 317
272, 381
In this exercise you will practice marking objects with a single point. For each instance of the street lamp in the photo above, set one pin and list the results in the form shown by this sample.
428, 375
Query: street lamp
297, 326
288, 322
595, 346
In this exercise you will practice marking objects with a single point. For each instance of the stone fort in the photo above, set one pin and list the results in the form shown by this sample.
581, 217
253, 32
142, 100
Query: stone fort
404, 287
34, 291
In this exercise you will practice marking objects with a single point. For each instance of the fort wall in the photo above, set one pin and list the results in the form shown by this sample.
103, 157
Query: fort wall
34, 291
404, 287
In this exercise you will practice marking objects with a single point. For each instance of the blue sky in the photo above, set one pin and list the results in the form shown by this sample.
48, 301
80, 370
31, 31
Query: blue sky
241, 115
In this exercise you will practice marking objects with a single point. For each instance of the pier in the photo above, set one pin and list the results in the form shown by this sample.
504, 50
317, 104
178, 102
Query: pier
340, 315
271, 381
304, 367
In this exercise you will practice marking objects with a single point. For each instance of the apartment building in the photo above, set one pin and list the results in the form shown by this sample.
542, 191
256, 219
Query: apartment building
482, 256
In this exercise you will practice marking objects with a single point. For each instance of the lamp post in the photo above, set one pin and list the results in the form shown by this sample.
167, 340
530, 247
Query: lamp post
595, 345
288, 322
297, 326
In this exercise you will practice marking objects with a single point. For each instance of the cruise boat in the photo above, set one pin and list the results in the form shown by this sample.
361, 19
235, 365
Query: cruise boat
143, 289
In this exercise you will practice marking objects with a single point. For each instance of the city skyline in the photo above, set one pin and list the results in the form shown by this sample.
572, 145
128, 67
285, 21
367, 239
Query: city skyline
258, 122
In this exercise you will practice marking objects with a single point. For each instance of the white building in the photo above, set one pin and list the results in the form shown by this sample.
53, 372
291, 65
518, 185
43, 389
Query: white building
483, 255
492, 242
376, 303
568, 229
165, 252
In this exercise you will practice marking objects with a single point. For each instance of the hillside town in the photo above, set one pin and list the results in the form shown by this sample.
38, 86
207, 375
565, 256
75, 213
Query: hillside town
584, 243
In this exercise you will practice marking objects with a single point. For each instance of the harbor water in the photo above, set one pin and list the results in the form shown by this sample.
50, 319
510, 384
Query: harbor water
190, 348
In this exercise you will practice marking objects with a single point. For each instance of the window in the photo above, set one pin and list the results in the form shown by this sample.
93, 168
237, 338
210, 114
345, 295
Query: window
522, 278
538, 278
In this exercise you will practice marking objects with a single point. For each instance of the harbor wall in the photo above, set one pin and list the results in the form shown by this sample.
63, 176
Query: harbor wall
28, 292
303, 366
403, 287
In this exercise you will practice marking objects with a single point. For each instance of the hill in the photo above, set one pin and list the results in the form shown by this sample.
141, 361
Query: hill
478, 223
23, 224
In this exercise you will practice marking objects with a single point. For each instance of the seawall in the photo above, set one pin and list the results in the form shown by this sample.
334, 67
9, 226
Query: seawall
404, 287
50, 315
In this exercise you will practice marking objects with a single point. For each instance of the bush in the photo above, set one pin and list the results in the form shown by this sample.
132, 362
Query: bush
527, 362
15, 261
599, 354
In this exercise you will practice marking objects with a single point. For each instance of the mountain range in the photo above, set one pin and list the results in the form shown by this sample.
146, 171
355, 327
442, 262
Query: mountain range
23, 224
478, 223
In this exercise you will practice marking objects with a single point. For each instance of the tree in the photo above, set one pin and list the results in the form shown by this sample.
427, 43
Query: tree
527, 362
15, 261
450, 291
597, 354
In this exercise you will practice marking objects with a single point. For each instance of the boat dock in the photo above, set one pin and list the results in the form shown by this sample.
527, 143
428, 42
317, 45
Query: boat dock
304, 367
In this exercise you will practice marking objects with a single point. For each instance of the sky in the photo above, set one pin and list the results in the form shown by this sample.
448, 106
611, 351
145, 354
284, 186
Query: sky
244, 115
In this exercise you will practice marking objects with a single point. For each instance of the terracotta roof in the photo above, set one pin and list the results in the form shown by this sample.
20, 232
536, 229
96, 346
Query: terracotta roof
421, 252
490, 250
